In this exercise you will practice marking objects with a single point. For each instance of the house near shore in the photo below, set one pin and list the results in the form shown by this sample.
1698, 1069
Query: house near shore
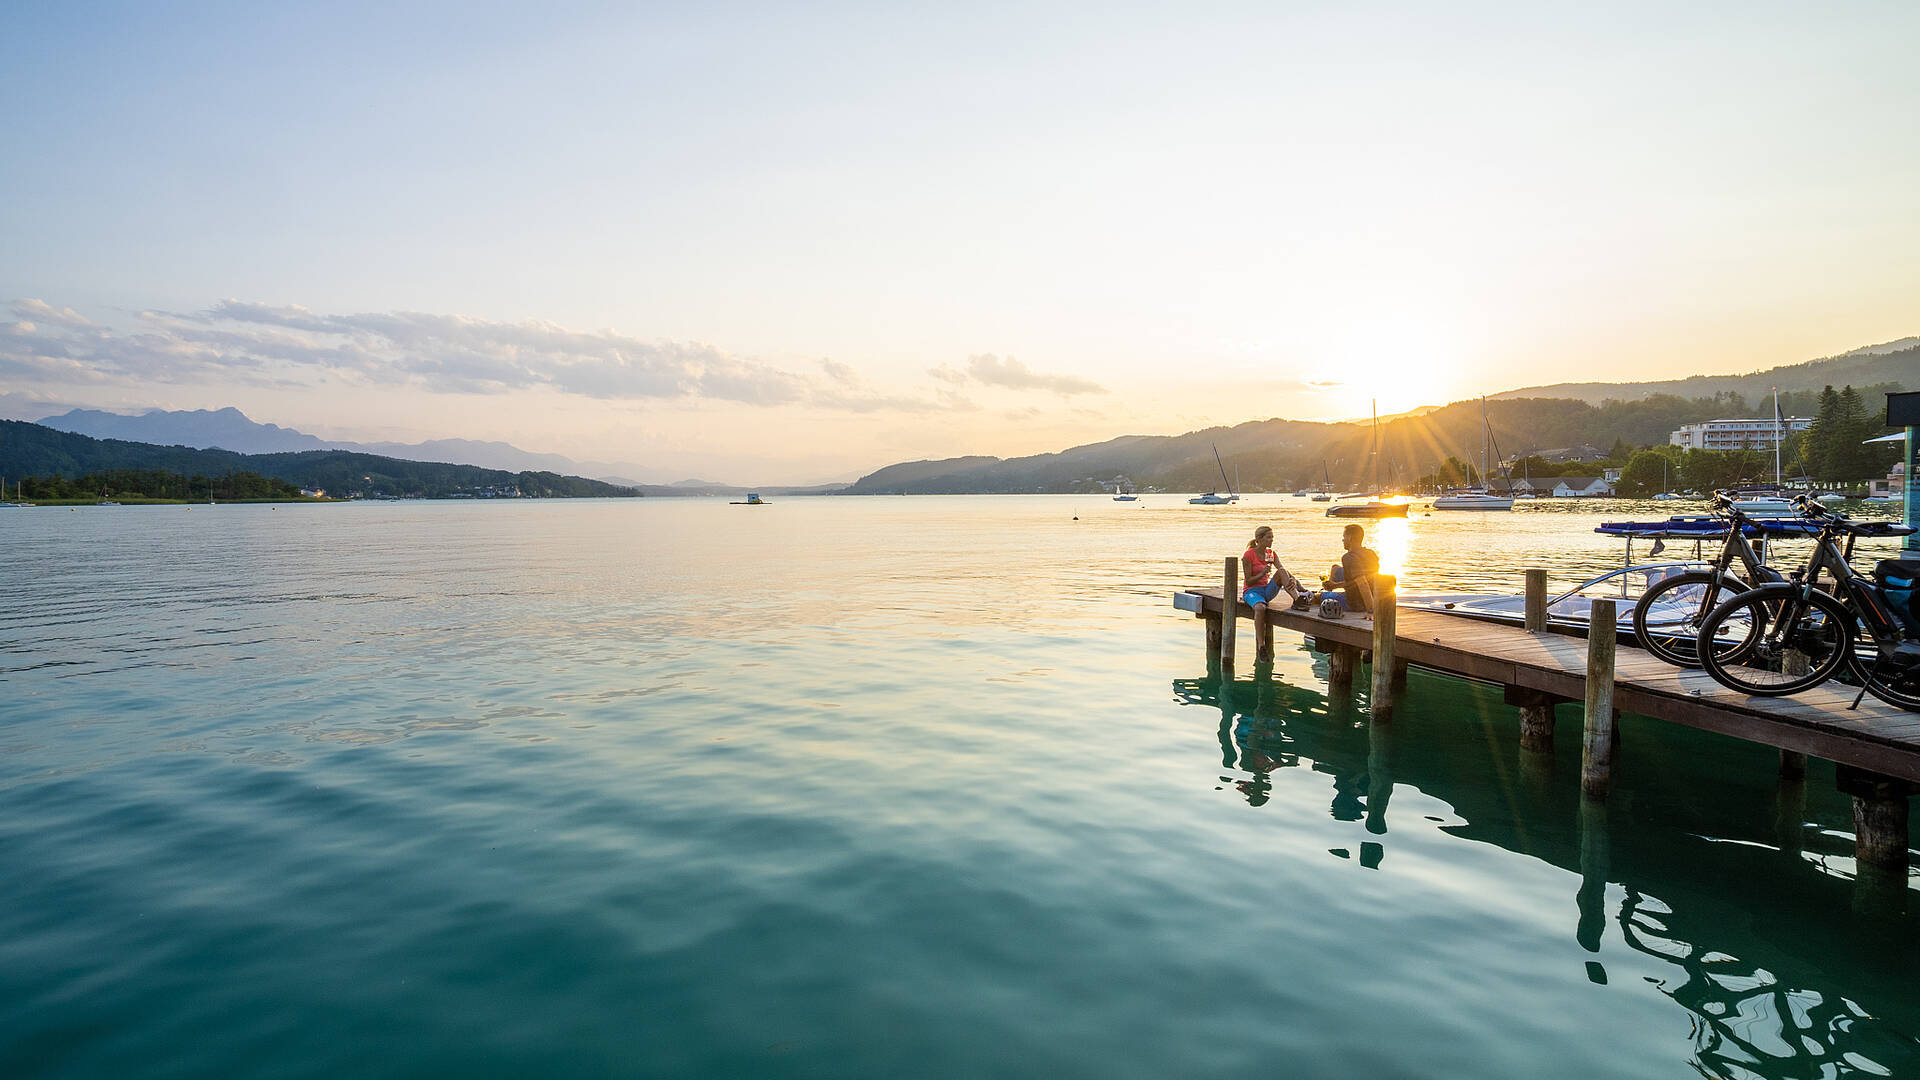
1581, 487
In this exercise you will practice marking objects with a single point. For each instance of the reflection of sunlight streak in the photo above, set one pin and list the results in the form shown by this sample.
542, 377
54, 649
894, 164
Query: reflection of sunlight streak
1390, 539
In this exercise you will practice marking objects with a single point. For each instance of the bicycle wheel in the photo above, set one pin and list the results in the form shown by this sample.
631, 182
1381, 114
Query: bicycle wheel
1782, 622
1667, 617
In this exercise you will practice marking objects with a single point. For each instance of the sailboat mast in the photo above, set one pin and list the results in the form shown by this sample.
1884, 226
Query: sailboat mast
1776, 437
1486, 436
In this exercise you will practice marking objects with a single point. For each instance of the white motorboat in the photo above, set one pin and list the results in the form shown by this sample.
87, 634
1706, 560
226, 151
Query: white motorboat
1571, 610
1126, 496
1212, 498
1766, 506
1472, 499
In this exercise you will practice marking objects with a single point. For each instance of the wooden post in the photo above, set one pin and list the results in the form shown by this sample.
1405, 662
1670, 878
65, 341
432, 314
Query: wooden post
1340, 664
1596, 759
1213, 636
1879, 818
1536, 718
1229, 614
1536, 601
1385, 622
1793, 765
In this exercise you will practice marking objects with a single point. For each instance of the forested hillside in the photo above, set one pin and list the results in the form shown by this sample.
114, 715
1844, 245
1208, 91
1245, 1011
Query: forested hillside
1280, 455
30, 450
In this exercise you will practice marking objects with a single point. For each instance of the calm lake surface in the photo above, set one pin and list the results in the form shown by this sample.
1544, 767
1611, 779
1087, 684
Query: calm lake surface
859, 787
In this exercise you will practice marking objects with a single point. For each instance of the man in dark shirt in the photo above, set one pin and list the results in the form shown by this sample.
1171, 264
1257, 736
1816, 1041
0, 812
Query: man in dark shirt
1353, 577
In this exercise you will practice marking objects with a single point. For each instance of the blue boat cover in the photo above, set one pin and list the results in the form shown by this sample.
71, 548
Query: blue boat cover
1703, 527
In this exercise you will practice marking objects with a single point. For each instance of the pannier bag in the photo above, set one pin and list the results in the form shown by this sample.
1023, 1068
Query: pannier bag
1896, 578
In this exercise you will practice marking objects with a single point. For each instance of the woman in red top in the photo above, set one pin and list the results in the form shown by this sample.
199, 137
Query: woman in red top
1265, 579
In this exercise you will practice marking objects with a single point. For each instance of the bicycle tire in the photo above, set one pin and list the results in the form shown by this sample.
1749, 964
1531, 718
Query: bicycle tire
1679, 645
1821, 628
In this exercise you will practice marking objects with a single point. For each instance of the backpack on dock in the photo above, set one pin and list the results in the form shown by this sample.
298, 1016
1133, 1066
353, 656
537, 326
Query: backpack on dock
1896, 579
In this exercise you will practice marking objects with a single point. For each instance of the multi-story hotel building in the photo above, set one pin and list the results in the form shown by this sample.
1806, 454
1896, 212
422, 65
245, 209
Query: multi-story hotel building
1737, 434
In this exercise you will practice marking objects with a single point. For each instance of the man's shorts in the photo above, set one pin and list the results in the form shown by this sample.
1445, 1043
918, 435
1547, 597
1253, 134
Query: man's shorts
1261, 594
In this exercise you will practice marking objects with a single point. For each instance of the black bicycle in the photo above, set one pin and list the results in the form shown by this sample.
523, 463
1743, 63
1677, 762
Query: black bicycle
1799, 636
1668, 616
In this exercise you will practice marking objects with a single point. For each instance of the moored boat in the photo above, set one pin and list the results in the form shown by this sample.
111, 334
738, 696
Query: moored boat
1372, 508
1472, 499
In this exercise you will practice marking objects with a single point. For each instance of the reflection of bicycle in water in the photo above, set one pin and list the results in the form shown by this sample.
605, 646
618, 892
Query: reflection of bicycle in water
1667, 617
1785, 637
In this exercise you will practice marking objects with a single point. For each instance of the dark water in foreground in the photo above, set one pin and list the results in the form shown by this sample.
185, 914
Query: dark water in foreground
856, 787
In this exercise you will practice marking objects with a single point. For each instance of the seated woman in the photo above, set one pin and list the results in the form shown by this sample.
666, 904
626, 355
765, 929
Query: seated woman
1266, 579
1353, 575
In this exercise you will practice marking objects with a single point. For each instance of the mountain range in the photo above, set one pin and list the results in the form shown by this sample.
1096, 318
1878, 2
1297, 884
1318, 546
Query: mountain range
1280, 455
1275, 453
34, 450
1892, 362
231, 429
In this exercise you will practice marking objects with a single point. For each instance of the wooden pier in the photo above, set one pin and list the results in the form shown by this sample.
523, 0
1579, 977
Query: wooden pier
1876, 746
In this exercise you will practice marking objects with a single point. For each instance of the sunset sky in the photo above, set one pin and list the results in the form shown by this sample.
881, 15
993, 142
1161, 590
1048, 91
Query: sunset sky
793, 243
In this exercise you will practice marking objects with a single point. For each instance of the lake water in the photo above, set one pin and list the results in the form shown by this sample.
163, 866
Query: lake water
859, 787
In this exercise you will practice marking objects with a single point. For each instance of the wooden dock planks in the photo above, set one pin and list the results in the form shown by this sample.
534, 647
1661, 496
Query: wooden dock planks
1875, 737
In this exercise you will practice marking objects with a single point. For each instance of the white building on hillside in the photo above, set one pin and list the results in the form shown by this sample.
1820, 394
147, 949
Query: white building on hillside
1737, 434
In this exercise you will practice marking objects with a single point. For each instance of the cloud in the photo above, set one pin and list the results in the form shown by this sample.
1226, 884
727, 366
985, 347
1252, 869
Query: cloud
946, 373
1011, 373
30, 309
293, 347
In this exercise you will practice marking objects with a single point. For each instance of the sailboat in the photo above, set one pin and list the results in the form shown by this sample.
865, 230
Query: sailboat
1325, 494
1478, 497
1768, 501
1373, 507
1666, 488
1214, 498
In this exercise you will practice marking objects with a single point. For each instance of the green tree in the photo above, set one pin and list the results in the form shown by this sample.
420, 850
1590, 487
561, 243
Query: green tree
1818, 443
1645, 473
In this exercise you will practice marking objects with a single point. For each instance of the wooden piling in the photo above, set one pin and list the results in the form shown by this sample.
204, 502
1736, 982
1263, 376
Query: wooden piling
1230, 615
1536, 601
1596, 759
1879, 817
1536, 717
1793, 765
1340, 664
1384, 627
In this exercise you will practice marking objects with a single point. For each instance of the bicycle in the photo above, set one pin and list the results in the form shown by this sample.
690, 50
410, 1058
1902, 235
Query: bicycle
1801, 636
1667, 617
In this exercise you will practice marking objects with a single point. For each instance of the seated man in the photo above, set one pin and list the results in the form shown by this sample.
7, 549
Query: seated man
1260, 568
1353, 576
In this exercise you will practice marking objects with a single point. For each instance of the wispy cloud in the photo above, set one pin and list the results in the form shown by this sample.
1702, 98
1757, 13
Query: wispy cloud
1011, 373
291, 346
990, 370
41, 311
